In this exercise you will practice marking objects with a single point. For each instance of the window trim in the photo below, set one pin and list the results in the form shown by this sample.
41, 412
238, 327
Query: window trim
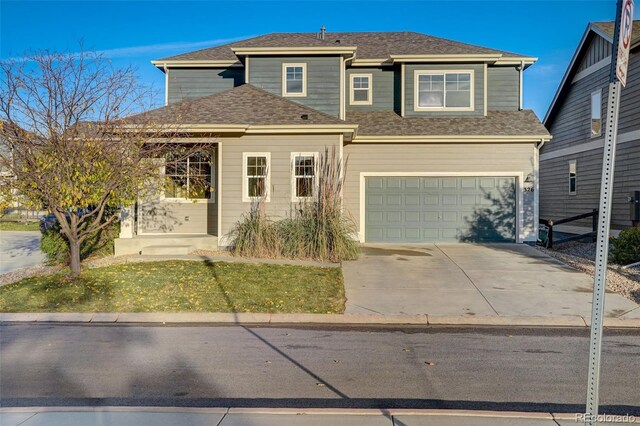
245, 184
573, 165
212, 195
315, 156
416, 87
369, 100
599, 93
284, 79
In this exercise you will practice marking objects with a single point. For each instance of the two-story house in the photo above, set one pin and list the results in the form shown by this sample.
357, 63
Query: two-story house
437, 145
571, 164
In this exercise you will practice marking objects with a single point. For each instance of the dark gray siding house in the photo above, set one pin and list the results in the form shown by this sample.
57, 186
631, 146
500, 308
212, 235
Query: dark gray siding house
571, 163
437, 145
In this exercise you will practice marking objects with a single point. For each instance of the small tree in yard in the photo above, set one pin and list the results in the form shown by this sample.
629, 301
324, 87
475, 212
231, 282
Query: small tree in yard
74, 152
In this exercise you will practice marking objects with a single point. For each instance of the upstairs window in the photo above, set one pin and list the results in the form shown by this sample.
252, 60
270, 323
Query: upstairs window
294, 79
596, 113
188, 178
573, 176
255, 182
361, 91
303, 176
445, 91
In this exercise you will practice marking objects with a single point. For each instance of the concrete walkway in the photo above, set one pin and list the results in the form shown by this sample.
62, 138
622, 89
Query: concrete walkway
19, 249
471, 279
148, 416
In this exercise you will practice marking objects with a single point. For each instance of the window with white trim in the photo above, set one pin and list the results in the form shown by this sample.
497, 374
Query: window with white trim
361, 90
444, 90
303, 181
188, 177
255, 182
573, 176
294, 79
596, 113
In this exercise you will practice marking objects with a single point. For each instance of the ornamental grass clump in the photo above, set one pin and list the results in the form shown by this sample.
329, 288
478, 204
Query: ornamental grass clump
319, 228
255, 235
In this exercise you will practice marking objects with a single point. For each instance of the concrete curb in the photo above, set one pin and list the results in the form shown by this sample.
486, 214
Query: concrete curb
335, 319
297, 411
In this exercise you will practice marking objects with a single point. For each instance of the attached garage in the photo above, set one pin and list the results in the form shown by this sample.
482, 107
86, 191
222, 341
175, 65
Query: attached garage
401, 209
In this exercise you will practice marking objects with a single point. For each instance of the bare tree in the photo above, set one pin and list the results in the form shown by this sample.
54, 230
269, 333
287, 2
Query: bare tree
80, 144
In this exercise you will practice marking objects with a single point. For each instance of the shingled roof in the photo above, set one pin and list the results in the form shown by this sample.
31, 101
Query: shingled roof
245, 105
370, 45
496, 123
608, 28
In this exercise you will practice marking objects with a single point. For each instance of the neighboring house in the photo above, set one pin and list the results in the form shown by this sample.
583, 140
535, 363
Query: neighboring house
571, 164
437, 145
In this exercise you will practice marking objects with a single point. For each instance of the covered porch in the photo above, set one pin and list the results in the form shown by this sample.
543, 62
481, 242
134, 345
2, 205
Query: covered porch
181, 213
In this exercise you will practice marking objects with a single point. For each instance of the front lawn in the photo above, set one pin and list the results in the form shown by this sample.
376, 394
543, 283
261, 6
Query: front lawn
19, 226
182, 286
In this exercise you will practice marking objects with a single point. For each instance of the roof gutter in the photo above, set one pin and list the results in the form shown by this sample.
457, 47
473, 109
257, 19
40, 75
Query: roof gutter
454, 138
323, 50
233, 63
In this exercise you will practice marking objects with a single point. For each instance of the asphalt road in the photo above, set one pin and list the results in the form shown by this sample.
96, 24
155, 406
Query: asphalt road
491, 369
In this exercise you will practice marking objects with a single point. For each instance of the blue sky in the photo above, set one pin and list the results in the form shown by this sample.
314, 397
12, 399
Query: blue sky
135, 32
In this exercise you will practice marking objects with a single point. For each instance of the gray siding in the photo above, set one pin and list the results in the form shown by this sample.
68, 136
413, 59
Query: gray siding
571, 129
597, 50
385, 86
280, 148
170, 217
323, 75
478, 88
439, 158
556, 202
189, 83
503, 89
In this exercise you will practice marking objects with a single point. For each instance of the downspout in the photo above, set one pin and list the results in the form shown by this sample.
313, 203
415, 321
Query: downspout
521, 82
536, 189
343, 84
166, 85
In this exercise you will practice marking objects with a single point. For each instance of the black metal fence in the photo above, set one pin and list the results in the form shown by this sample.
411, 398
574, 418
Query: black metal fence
548, 240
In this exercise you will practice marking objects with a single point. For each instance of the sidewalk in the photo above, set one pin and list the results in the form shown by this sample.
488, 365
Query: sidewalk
159, 416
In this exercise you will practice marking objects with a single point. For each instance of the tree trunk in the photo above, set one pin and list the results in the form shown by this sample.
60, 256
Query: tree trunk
74, 251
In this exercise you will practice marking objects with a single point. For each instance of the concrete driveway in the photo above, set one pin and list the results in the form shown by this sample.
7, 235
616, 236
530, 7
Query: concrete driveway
470, 279
19, 249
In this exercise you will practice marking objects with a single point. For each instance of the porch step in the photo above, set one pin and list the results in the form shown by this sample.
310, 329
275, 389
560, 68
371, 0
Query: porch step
166, 250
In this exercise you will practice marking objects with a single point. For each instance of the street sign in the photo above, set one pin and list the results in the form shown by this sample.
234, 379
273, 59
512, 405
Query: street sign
624, 41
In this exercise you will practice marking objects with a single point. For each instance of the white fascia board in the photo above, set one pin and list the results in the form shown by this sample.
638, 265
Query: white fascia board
197, 64
385, 62
446, 58
452, 139
341, 50
508, 60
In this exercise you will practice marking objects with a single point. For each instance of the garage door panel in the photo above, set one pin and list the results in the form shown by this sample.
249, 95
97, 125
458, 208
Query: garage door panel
430, 182
450, 200
412, 217
431, 209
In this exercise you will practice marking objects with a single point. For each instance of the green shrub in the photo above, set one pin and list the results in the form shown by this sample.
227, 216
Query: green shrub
56, 247
625, 248
317, 229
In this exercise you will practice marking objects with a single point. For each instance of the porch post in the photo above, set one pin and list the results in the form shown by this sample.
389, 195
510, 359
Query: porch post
127, 222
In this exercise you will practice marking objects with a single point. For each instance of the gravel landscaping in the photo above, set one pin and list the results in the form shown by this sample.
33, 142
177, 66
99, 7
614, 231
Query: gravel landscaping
581, 256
